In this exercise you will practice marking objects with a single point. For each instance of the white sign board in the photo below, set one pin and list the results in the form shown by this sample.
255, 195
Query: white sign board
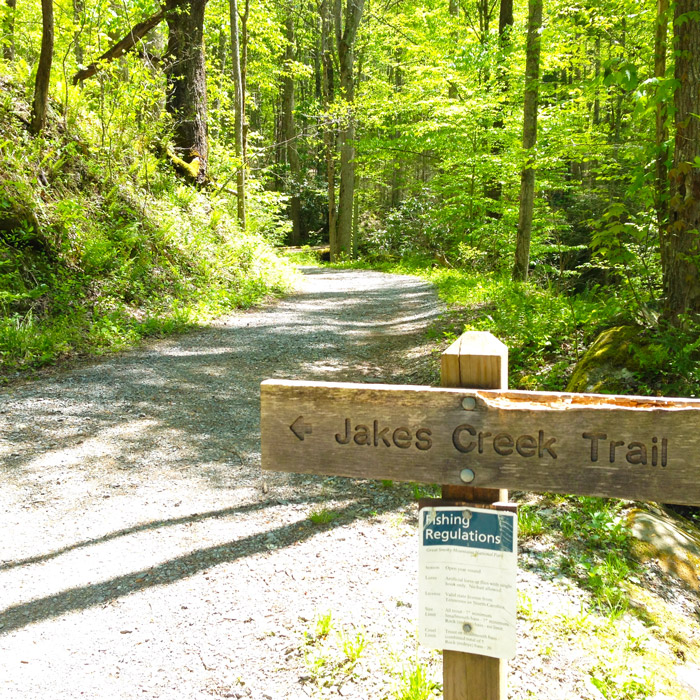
467, 570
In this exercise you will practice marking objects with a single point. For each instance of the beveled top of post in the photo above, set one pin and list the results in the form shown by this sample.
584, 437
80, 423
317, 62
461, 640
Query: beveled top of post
477, 359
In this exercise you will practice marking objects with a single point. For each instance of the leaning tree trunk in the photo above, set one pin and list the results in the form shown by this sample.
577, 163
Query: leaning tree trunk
527, 177
238, 108
43, 73
682, 272
186, 100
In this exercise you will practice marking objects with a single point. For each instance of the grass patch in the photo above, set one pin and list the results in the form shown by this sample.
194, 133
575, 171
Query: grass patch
618, 657
416, 684
530, 522
306, 255
352, 655
323, 516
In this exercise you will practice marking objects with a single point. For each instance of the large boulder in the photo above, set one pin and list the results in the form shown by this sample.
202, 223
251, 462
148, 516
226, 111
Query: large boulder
671, 540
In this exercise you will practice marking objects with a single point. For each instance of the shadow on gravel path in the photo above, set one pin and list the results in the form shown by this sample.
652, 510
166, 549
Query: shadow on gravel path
167, 572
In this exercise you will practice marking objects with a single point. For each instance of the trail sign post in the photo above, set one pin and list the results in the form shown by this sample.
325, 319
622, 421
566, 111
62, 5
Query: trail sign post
615, 446
475, 360
478, 442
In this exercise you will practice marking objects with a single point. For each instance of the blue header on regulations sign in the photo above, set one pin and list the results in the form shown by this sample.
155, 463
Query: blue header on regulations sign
464, 527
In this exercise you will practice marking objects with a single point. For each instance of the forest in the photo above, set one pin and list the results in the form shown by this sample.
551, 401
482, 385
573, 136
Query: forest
164, 163
539, 161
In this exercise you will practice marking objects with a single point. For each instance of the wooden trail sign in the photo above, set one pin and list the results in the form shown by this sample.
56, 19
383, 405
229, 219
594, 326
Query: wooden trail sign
638, 448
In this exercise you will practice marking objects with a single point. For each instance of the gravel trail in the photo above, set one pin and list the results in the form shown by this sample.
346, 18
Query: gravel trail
142, 552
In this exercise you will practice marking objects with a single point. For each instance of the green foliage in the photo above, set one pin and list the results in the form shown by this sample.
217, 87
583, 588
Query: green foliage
599, 529
668, 359
353, 645
100, 246
324, 623
530, 523
322, 516
615, 683
626, 245
425, 491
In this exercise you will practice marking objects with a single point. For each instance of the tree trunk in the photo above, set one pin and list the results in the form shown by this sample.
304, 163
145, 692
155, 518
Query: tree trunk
43, 72
596, 67
290, 135
78, 14
661, 194
682, 273
494, 188
328, 97
396, 162
8, 30
527, 177
452, 92
239, 118
346, 33
244, 79
318, 65
186, 99
220, 63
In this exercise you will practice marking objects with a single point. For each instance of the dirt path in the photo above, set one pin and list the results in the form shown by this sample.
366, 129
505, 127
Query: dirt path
142, 555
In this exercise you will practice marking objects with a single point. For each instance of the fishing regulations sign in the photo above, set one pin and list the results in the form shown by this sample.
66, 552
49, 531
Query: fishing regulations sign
639, 448
467, 565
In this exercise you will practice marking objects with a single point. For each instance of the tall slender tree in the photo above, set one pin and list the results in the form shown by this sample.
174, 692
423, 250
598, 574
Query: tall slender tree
454, 40
243, 38
661, 136
290, 132
346, 23
328, 91
494, 187
527, 176
8, 30
238, 106
43, 71
78, 18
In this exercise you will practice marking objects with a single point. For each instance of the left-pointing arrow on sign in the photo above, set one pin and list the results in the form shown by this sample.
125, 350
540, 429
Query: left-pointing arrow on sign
299, 428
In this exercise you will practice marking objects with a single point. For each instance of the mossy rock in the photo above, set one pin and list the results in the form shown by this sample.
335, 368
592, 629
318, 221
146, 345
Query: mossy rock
609, 365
